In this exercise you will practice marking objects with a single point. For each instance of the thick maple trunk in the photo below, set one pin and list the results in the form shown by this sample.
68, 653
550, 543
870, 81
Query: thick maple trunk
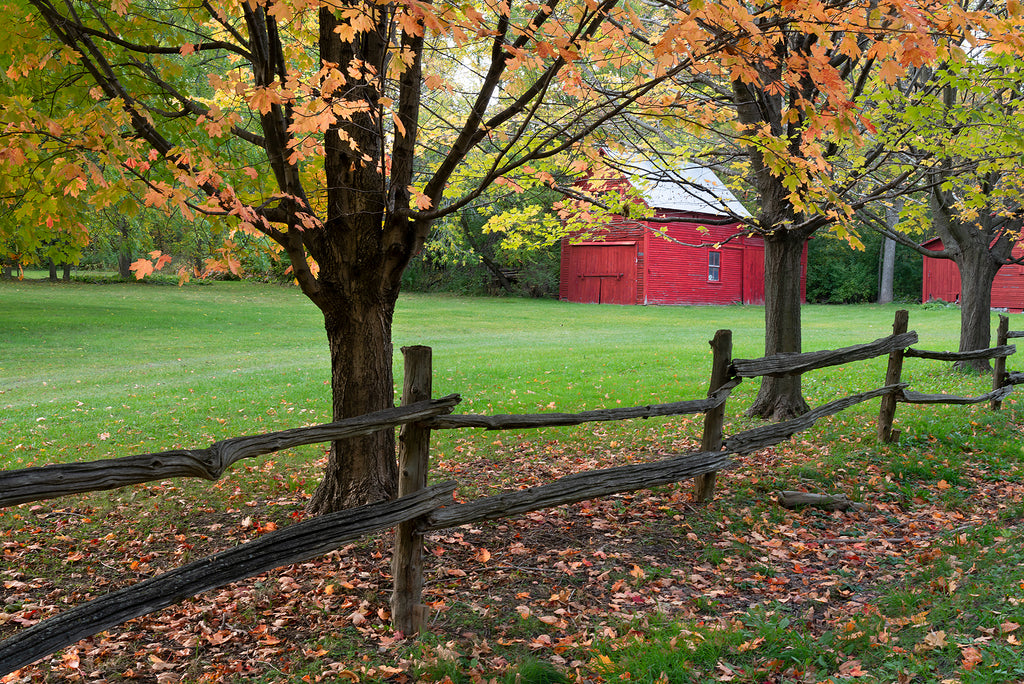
979, 249
364, 245
977, 273
781, 398
777, 398
362, 469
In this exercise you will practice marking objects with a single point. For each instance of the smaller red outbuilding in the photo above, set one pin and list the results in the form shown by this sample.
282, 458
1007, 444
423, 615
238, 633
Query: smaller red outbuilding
682, 254
941, 280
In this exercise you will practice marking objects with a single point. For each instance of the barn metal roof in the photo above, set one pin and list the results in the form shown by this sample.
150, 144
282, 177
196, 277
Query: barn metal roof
687, 188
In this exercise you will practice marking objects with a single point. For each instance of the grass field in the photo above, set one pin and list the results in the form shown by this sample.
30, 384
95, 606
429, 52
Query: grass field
166, 367
737, 591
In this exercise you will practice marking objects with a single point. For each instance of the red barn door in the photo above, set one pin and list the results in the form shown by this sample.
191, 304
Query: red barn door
602, 273
753, 274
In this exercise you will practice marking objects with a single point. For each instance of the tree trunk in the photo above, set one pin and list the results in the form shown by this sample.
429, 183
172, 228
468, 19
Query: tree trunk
124, 246
362, 469
53, 271
887, 258
777, 398
124, 263
979, 249
363, 247
887, 271
977, 273
781, 398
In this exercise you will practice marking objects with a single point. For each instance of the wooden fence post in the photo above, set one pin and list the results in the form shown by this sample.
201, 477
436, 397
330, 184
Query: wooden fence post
408, 613
887, 411
721, 349
999, 367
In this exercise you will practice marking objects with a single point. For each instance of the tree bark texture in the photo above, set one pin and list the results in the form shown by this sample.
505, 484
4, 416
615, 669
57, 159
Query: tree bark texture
756, 107
887, 255
977, 273
362, 469
364, 244
979, 248
886, 270
780, 398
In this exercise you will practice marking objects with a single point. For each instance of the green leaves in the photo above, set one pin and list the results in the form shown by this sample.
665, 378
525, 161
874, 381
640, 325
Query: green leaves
964, 120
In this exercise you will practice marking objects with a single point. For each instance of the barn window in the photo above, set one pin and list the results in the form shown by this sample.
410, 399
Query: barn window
714, 267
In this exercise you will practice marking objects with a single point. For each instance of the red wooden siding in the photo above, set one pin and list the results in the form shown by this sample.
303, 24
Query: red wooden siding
665, 269
677, 274
941, 280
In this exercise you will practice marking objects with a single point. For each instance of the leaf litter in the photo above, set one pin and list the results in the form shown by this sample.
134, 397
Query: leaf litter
553, 584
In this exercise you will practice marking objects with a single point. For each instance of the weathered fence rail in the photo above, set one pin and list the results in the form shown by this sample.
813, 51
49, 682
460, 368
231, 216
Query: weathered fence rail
541, 420
1002, 383
765, 436
921, 398
420, 508
1000, 352
298, 542
46, 482
798, 364
590, 484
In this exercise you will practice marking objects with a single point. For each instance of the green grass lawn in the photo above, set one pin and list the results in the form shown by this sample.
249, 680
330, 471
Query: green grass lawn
661, 591
156, 368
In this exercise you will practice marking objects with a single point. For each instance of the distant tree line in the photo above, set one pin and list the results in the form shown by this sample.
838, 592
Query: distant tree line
839, 274
467, 260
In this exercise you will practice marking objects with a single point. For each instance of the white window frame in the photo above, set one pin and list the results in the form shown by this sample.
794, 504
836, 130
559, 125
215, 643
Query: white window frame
714, 267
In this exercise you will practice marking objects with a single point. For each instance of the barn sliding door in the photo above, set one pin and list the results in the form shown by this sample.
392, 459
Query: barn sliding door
753, 275
602, 273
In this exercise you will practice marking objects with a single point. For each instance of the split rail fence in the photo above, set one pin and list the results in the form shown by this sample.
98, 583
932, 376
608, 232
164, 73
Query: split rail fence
421, 508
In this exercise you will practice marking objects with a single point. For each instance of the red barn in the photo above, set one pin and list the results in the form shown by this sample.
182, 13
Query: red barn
660, 262
941, 280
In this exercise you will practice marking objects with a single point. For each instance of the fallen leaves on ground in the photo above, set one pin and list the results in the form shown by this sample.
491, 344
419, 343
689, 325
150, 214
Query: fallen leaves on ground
549, 582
